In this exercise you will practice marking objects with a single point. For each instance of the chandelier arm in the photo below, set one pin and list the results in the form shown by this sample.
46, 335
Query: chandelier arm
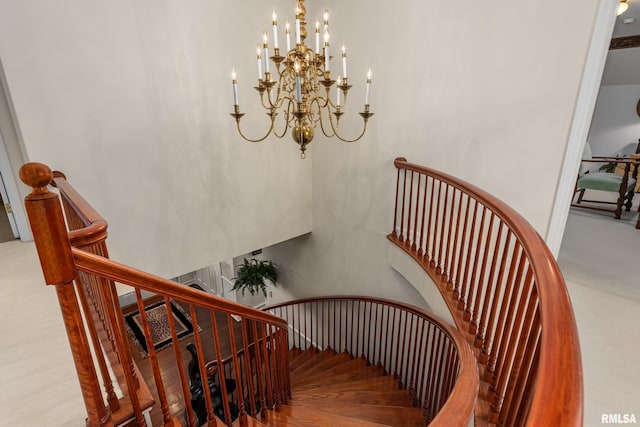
259, 139
287, 114
364, 129
324, 131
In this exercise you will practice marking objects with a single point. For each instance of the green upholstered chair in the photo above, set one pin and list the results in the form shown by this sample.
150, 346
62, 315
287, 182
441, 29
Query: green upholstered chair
592, 178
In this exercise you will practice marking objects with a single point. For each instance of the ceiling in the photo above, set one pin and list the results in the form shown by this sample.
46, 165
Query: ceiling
623, 65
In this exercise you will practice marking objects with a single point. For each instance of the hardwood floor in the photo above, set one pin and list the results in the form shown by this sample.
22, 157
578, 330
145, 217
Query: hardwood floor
167, 358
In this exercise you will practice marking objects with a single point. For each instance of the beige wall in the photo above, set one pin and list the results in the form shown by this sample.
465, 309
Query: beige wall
484, 91
131, 100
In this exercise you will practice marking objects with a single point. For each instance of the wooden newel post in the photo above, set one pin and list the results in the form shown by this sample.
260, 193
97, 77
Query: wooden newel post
52, 242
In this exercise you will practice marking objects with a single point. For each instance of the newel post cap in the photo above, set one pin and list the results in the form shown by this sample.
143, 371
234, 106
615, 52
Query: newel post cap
37, 176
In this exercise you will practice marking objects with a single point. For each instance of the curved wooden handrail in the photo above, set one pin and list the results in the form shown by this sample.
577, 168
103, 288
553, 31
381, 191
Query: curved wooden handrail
558, 395
458, 409
72, 248
94, 225
112, 270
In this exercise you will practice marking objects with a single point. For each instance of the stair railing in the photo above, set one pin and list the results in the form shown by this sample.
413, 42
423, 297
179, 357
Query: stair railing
504, 290
430, 358
75, 252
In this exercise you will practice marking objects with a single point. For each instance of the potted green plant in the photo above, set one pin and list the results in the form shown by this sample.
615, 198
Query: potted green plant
251, 276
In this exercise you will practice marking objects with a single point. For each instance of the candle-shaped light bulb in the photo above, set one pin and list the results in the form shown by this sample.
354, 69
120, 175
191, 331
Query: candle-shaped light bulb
366, 97
326, 51
259, 55
298, 35
298, 88
338, 91
317, 37
265, 47
288, 35
274, 22
326, 17
344, 61
234, 83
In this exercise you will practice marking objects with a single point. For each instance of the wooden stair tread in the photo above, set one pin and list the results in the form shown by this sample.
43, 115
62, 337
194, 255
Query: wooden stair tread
355, 375
312, 361
302, 358
293, 353
305, 416
386, 383
322, 367
371, 397
245, 421
342, 368
391, 415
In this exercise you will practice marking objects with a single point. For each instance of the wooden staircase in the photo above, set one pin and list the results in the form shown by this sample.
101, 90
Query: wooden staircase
335, 389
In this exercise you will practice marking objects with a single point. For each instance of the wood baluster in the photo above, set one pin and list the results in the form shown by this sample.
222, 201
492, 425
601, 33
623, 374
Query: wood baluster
437, 231
112, 399
508, 362
432, 382
457, 290
404, 190
415, 216
394, 233
447, 254
409, 223
486, 306
410, 375
259, 367
369, 354
492, 370
531, 379
164, 406
428, 249
491, 327
422, 251
453, 280
464, 289
267, 367
418, 373
248, 364
274, 367
389, 336
398, 333
306, 334
525, 356
50, 236
236, 367
223, 385
377, 334
479, 285
440, 360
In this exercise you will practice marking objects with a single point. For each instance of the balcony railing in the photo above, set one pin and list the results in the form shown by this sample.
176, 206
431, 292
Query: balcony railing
504, 291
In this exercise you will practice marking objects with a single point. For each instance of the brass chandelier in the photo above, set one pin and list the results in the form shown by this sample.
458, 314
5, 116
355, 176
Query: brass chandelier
295, 86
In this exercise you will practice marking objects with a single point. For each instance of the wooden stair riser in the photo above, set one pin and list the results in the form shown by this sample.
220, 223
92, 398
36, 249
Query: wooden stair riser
376, 384
361, 374
308, 417
302, 358
392, 398
325, 366
342, 368
391, 415
313, 361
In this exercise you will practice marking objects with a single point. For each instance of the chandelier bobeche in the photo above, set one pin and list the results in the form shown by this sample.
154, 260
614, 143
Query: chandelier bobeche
295, 85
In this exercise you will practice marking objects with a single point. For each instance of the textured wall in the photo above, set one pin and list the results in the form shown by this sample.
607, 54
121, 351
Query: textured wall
484, 91
615, 120
131, 100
